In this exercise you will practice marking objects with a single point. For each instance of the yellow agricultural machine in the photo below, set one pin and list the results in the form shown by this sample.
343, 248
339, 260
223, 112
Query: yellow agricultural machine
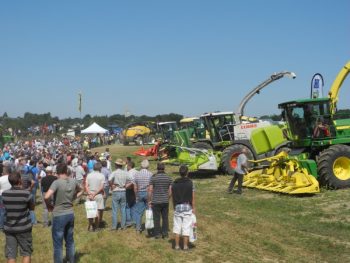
319, 148
140, 133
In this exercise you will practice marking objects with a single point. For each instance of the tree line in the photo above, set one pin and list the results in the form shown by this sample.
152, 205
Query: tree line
32, 119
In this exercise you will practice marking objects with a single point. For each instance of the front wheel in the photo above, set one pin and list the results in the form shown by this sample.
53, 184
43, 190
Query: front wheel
152, 139
333, 167
230, 155
139, 140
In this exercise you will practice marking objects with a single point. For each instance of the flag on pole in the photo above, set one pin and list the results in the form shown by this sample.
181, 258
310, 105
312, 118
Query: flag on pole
79, 102
317, 84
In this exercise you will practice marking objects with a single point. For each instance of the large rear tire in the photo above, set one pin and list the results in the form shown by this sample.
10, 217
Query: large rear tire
229, 157
334, 167
202, 145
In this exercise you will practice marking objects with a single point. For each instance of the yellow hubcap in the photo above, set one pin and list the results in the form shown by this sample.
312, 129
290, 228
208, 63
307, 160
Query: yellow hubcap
341, 168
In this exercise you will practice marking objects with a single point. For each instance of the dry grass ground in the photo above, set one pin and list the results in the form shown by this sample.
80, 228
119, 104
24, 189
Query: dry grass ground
255, 227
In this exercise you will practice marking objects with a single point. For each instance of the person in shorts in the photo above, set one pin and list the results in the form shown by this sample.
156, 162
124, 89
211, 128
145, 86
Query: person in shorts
18, 226
94, 186
184, 205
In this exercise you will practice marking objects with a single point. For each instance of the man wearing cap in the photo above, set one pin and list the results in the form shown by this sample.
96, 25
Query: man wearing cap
119, 180
142, 179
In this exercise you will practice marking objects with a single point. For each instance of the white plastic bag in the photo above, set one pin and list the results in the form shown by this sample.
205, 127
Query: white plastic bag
91, 209
193, 230
149, 224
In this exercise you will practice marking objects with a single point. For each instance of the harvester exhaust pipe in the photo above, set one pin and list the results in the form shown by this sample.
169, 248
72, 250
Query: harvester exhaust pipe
240, 110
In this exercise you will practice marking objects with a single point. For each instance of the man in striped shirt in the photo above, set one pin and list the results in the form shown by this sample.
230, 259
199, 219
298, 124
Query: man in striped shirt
18, 226
141, 183
159, 193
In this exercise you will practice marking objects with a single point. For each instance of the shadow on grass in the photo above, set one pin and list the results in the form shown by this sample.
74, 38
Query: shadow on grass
172, 242
78, 256
202, 174
107, 208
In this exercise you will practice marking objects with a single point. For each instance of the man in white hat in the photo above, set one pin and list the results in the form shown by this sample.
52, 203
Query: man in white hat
142, 179
119, 180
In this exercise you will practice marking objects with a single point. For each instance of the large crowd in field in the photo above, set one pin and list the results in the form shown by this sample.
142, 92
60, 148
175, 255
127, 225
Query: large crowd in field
63, 173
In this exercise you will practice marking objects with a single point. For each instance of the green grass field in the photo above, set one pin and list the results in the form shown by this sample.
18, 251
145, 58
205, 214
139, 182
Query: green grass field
255, 227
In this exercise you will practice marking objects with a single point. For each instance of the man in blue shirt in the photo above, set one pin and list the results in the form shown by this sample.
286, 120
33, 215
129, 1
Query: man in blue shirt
33, 170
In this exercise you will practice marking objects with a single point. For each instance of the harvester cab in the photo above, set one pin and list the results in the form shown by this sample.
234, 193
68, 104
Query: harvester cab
195, 128
319, 146
309, 121
166, 130
219, 126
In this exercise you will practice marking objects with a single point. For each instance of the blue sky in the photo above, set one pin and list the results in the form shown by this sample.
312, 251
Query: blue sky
157, 57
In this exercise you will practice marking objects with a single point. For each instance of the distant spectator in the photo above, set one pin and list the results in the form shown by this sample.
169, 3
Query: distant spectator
109, 163
79, 176
106, 172
91, 163
107, 153
127, 161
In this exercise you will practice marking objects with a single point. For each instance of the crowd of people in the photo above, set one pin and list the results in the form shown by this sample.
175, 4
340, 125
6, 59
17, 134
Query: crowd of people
61, 175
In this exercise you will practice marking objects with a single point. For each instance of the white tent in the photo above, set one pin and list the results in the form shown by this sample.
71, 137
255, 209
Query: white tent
94, 128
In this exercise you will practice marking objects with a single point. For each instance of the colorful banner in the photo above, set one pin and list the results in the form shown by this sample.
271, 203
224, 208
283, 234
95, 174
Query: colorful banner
317, 84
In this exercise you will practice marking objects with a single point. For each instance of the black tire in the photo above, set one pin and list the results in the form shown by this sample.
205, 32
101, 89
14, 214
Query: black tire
202, 145
338, 156
230, 154
139, 140
125, 142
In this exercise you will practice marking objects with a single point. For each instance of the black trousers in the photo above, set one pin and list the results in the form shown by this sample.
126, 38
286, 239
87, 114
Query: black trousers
236, 177
158, 211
